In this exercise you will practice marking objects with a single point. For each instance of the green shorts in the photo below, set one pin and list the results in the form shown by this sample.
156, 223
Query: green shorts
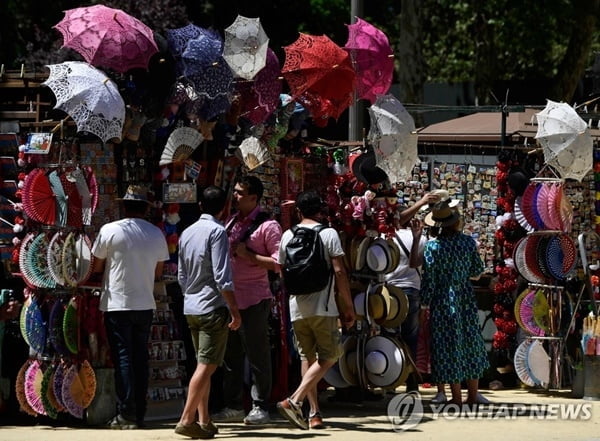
209, 335
318, 338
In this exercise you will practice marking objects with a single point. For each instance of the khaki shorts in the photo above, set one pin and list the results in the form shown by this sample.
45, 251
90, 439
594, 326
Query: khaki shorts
318, 338
209, 335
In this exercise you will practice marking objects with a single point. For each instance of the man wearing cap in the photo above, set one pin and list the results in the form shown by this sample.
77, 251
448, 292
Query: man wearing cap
130, 252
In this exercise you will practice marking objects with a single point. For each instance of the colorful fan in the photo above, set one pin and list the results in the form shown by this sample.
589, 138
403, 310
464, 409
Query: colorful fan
538, 363
20, 389
38, 198
541, 253
23, 259
528, 203
69, 378
520, 262
520, 217
539, 223
33, 387
526, 315
51, 389
553, 211
531, 259
23, 320
79, 388
47, 395
71, 326
181, 144
57, 382
566, 213
542, 204
90, 177
37, 262
61, 198
520, 362
569, 250
35, 327
55, 328
74, 208
55, 248
541, 310
77, 258
517, 307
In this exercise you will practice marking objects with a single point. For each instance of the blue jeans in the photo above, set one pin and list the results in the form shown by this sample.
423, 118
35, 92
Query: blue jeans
128, 333
251, 341
409, 329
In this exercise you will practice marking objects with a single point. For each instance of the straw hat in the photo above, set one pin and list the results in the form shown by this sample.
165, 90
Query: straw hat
442, 215
378, 256
361, 253
443, 196
334, 378
348, 362
398, 309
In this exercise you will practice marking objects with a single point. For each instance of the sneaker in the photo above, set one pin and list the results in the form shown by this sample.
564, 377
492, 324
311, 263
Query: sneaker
193, 431
316, 421
210, 427
228, 415
120, 423
293, 413
439, 398
257, 416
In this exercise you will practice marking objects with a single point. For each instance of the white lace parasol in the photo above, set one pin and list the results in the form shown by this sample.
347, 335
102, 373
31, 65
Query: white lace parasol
245, 47
89, 97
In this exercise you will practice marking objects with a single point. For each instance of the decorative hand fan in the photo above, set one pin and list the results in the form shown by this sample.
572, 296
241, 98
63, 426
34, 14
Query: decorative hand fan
55, 328
528, 203
539, 223
531, 259
55, 248
84, 194
74, 207
541, 253
61, 198
254, 152
20, 389
71, 326
566, 212
520, 362
23, 259
37, 262
538, 363
35, 327
181, 144
23, 320
517, 307
520, 217
526, 315
38, 198
554, 258
553, 210
540, 311
51, 390
57, 382
71, 377
77, 258
569, 251
542, 204
90, 177
47, 394
33, 387
520, 259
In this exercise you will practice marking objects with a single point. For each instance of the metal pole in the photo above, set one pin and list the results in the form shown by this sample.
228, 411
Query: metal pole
355, 113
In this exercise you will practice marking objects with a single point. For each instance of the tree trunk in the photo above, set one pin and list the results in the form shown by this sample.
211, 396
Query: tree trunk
575, 61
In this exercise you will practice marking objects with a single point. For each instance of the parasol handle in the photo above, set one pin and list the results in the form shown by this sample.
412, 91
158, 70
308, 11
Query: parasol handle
60, 126
6, 222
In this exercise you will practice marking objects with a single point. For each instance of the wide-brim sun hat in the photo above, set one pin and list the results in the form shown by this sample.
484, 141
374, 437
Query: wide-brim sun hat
443, 196
378, 256
385, 362
334, 378
364, 167
442, 215
348, 364
399, 298
361, 253
378, 303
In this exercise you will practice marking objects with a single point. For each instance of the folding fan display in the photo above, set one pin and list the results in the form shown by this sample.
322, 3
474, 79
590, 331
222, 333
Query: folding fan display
55, 248
520, 217
531, 259
538, 363
69, 378
520, 259
20, 389
35, 327
528, 203
535, 207
254, 152
554, 206
33, 387
521, 362
23, 259
566, 213
55, 328
71, 326
181, 144
77, 258
38, 198
541, 310
23, 320
57, 382
517, 307
79, 388
541, 253
542, 204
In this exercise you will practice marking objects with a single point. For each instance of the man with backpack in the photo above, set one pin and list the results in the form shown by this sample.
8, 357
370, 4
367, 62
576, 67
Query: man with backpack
304, 251
253, 246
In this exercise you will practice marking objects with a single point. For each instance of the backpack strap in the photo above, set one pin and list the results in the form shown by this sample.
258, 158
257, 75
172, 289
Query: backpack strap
407, 252
258, 220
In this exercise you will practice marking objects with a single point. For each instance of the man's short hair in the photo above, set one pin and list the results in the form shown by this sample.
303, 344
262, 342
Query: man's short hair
253, 185
309, 203
213, 200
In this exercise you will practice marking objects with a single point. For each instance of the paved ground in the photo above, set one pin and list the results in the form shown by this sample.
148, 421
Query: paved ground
533, 415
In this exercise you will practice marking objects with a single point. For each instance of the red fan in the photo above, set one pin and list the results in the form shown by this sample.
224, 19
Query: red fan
74, 208
39, 202
90, 177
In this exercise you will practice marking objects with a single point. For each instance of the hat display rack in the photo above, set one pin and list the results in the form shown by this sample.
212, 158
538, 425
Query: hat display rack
546, 257
55, 261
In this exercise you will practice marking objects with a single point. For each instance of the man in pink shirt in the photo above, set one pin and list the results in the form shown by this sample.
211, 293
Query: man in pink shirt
254, 245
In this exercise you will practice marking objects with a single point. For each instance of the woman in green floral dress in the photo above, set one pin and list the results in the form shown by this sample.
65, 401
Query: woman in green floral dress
450, 260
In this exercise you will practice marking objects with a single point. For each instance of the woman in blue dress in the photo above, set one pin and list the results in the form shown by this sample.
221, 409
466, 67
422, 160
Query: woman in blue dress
450, 260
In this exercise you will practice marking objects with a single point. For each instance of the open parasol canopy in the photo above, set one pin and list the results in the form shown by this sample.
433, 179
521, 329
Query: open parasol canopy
320, 76
245, 47
565, 138
393, 137
108, 37
201, 52
372, 58
89, 97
